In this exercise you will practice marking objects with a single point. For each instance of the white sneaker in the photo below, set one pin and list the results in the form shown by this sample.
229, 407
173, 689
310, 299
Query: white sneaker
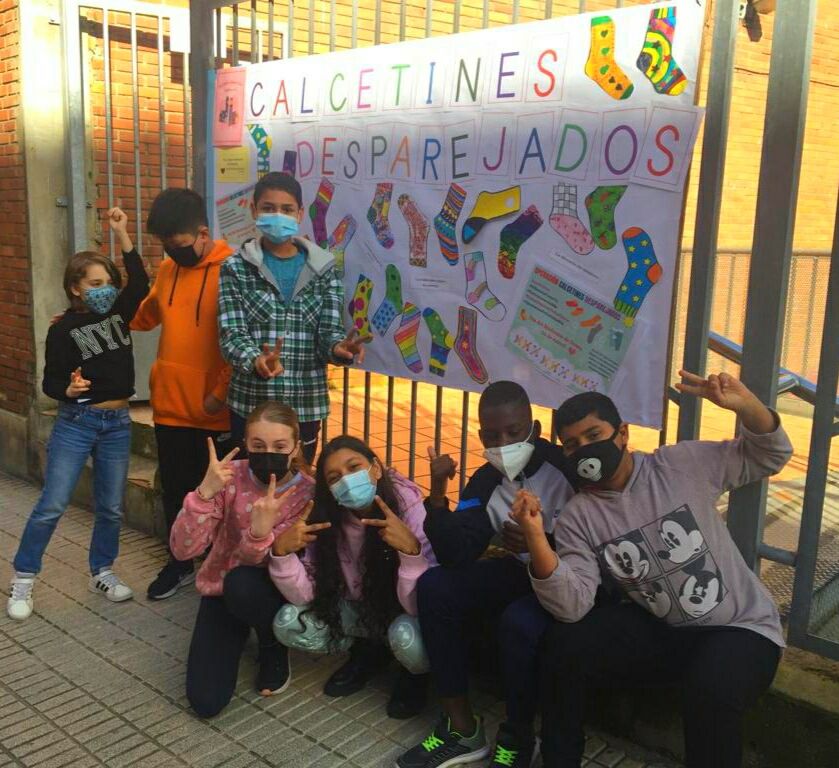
19, 604
109, 584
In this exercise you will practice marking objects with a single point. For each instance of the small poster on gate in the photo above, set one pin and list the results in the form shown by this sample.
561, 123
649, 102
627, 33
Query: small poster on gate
229, 107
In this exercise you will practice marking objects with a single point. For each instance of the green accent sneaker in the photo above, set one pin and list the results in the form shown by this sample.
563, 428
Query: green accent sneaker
445, 747
511, 751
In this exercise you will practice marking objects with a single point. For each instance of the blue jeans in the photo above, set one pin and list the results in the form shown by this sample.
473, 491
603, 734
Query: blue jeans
81, 431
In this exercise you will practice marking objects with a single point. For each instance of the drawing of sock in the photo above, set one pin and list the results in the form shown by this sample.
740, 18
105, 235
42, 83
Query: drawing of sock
377, 214
489, 206
405, 337
513, 236
601, 65
466, 345
340, 239
601, 204
445, 221
592, 334
418, 230
656, 58
643, 272
359, 306
565, 221
441, 342
478, 293
391, 305
262, 139
290, 162
318, 209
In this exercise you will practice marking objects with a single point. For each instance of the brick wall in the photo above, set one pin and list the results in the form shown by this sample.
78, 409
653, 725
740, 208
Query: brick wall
17, 352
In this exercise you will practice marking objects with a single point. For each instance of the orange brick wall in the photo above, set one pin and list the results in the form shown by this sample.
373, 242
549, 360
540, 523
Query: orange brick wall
17, 352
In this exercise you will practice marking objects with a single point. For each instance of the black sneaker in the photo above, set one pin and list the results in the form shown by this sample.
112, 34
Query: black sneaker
445, 747
174, 575
408, 696
366, 659
274, 674
511, 750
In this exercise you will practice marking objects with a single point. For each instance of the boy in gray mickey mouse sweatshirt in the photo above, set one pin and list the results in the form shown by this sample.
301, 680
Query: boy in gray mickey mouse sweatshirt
696, 616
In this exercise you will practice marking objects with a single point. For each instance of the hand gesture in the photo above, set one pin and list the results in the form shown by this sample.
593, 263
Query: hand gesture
219, 473
393, 530
512, 538
300, 535
78, 385
527, 513
266, 513
268, 364
118, 222
352, 346
722, 390
443, 469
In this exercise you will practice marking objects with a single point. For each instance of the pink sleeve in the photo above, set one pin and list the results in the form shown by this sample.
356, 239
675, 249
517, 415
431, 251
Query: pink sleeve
411, 567
253, 551
292, 579
195, 527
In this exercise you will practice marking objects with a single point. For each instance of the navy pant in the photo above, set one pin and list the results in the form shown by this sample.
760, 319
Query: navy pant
452, 600
720, 671
309, 432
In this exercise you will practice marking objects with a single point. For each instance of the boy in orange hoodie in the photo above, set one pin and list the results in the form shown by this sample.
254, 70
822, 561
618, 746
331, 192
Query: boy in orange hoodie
189, 379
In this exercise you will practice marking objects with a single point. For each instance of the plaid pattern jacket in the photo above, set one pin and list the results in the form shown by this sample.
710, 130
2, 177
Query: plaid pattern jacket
252, 312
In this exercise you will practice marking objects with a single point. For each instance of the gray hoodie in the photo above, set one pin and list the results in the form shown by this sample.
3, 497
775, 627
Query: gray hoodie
663, 541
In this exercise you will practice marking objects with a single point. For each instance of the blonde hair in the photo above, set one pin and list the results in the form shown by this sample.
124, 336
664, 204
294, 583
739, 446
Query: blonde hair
278, 413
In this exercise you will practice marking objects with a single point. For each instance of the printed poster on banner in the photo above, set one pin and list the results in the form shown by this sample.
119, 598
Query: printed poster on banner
501, 204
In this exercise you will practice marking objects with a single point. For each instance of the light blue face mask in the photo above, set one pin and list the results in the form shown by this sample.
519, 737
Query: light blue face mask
354, 491
101, 299
277, 227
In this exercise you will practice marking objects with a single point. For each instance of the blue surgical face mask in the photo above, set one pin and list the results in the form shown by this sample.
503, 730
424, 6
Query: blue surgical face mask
101, 299
354, 491
277, 227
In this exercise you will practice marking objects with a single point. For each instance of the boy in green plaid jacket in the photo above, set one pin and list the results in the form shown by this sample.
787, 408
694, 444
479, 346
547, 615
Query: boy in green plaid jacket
280, 310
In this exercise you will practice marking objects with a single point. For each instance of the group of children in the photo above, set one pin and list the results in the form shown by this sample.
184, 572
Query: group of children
615, 567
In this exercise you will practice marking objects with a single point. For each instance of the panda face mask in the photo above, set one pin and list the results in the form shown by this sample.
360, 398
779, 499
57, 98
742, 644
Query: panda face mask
596, 463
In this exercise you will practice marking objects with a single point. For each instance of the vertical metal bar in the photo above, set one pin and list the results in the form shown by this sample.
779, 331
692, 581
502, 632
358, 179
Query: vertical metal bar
515, 11
549, 9
235, 58
377, 25
311, 27
75, 126
780, 165
221, 53
161, 102
485, 15
389, 435
581, 6
188, 134
554, 434
109, 135
402, 19
456, 17
709, 202
324, 431
331, 25
429, 12
438, 419
255, 46
819, 456
271, 30
811, 304
367, 381
290, 28
464, 441
354, 27
345, 405
135, 91
200, 60
412, 436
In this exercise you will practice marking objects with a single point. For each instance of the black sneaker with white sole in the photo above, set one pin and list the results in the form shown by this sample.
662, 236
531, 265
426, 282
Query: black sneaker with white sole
444, 747
174, 575
274, 674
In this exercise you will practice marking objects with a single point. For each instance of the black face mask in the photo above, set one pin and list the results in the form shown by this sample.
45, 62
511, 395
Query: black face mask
596, 463
265, 464
183, 255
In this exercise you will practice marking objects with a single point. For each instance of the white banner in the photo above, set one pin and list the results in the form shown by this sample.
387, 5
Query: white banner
505, 204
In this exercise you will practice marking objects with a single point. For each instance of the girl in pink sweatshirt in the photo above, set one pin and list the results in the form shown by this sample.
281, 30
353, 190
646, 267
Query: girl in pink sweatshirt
353, 584
238, 511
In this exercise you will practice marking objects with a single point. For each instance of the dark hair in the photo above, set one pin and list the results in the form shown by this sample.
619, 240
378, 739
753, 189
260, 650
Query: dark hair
176, 212
284, 182
503, 393
576, 408
76, 270
379, 564
279, 413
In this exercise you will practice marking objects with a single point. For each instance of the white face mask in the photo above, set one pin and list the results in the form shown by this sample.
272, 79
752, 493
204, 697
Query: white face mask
511, 459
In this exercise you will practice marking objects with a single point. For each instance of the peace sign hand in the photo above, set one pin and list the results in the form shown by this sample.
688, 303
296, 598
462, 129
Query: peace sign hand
393, 530
722, 390
300, 535
352, 346
268, 364
219, 473
443, 469
78, 384
266, 513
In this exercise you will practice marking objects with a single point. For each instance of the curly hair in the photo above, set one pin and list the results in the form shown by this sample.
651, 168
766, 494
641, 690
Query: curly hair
379, 563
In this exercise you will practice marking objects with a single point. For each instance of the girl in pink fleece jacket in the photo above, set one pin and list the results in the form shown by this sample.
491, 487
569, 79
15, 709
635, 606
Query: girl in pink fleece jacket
239, 510
354, 585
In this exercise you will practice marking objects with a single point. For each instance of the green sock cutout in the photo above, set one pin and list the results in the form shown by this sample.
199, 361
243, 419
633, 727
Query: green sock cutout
391, 305
441, 342
601, 204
